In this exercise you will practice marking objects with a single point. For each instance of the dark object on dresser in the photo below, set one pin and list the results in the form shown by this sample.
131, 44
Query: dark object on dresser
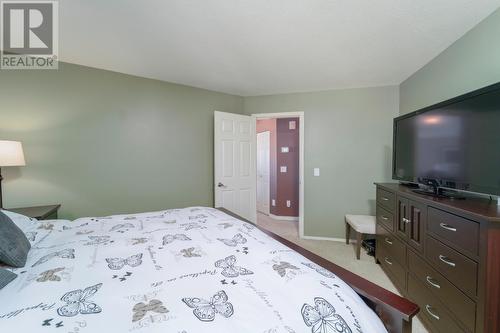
38, 212
444, 255
395, 311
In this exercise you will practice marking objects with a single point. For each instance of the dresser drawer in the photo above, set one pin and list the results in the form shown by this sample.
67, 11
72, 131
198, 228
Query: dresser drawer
386, 199
462, 233
431, 309
457, 268
385, 218
461, 306
391, 245
394, 269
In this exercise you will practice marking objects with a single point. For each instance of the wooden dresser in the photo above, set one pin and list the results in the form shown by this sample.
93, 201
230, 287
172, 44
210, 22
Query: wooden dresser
444, 255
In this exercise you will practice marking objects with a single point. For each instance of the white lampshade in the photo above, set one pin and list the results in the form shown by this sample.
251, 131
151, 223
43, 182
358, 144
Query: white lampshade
11, 154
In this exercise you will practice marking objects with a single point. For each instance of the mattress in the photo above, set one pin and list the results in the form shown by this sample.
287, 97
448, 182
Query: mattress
189, 270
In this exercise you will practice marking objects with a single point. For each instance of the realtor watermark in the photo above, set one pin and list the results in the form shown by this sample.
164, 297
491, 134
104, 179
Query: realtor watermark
29, 35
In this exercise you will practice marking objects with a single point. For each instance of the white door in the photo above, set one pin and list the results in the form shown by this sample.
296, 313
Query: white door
263, 171
234, 164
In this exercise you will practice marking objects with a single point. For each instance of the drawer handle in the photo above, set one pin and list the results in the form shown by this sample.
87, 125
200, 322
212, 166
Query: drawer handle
428, 308
388, 241
405, 220
446, 260
447, 227
432, 282
385, 199
387, 261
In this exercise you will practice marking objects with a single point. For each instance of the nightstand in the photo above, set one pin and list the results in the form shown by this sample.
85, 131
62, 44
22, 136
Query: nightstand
38, 212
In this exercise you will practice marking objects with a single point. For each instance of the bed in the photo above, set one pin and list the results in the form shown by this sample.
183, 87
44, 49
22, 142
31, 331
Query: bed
187, 270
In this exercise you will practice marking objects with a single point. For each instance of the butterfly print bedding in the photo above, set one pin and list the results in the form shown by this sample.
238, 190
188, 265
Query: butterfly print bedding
229, 269
282, 268
167, 239
163, 272
119, 263
190, 253
205, 310
319, 269
322, 318
237, 239
50, 275
65, 254
141, 309
78, 301
97, 240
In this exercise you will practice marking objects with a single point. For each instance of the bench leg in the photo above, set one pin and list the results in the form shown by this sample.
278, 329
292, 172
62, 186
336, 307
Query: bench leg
358, 244
347, 232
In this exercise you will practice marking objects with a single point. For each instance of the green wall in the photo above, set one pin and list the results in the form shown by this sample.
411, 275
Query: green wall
102, 143
470, 63
348, 135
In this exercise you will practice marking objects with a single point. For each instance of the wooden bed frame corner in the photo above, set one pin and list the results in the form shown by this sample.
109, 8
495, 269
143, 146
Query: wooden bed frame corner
395, 311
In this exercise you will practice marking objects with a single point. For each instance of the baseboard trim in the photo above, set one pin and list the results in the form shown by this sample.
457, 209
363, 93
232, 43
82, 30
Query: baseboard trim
284, 218
333, 239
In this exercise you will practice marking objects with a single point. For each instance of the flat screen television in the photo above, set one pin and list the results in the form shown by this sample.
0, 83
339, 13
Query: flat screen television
454, 144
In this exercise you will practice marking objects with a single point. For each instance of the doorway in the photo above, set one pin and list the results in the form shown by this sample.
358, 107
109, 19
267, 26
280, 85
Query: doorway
235, 164
279, 171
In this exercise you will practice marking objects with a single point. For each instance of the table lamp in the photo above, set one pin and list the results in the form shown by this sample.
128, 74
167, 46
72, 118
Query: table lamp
11, 154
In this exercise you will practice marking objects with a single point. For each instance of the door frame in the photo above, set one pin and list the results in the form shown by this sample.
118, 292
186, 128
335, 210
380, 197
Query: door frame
292, 114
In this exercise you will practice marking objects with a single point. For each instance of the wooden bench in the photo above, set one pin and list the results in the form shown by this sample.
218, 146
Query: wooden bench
362, 224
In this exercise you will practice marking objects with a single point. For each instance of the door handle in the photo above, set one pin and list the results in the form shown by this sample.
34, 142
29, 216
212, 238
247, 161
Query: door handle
428, 308
447, 227
446, 260
405, 220
221, 185
432, 282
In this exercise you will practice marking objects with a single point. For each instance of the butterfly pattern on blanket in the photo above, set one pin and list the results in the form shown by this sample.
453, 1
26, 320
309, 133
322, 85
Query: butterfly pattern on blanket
118, 263
187, 270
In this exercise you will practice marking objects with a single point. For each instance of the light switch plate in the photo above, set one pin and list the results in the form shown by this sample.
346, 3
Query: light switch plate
273, 202
284, 149
316, 172
288, 203
292, 124
283, 169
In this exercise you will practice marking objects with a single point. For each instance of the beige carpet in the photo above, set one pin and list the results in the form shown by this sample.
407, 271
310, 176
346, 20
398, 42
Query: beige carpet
336, 252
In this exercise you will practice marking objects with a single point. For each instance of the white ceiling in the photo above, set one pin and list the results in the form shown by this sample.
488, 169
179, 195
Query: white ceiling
257, 47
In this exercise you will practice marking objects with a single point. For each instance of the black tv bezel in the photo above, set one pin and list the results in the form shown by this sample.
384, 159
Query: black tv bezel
458, 186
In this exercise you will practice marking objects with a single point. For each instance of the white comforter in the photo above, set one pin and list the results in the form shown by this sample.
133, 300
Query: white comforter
191, 270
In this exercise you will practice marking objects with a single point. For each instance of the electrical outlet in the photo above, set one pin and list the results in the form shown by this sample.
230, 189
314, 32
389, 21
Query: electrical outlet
291, 124
273, 202
283, 169
288, 203
284, 149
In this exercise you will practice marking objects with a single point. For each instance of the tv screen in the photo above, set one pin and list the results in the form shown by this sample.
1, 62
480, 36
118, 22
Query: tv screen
456, 143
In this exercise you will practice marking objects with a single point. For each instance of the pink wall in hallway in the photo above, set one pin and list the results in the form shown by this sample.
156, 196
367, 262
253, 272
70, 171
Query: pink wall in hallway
283, 186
